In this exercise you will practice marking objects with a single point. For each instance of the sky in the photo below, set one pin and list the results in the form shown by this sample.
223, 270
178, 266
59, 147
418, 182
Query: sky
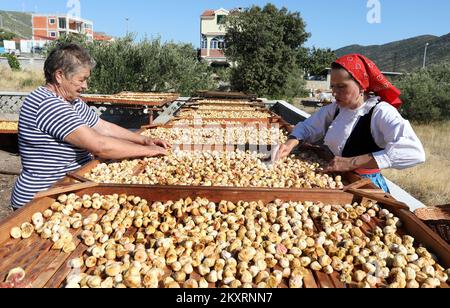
332, 24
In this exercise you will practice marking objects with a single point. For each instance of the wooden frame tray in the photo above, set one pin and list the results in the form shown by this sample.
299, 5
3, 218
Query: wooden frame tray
9, 132
274, 119
140, 99
281, 123
235, 109
248, 104
282, 126
49, 268
348, 178
225, 95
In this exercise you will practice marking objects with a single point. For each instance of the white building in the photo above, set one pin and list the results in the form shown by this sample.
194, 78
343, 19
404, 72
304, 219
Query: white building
212, 33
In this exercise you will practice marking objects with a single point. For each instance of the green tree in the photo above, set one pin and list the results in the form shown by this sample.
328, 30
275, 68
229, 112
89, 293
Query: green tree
263, 42
314, 60
426, 94
5, 35
13, 62
146, 66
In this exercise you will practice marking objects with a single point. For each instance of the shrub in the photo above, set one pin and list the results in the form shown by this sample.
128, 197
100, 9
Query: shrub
13, 62
146, 66
426, 94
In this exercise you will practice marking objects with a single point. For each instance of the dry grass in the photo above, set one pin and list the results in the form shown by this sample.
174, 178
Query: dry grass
429, 182
23, 81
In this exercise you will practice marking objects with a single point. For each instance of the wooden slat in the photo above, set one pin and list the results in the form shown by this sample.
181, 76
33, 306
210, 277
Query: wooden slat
65, 189
77, 177
387, 201
309, 281
337, 281
7, 246
42, 272
323, 280
358, 184
23, 254
62, 264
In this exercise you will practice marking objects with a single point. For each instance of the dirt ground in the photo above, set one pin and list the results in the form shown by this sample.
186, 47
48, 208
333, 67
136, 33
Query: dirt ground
9, 163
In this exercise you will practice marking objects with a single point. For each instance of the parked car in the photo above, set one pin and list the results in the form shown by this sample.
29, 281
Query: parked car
14, 52
37, 50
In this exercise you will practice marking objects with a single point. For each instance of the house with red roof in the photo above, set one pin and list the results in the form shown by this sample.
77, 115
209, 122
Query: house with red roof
212, 31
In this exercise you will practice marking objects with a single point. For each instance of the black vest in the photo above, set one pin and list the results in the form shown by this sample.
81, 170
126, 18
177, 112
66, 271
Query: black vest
361, 141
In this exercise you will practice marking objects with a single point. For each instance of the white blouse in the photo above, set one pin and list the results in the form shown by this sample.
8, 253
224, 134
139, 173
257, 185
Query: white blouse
402, 147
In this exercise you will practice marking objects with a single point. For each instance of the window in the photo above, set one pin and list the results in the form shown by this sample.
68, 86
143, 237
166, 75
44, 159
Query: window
214, 44
218, 42
221, 19
52, 34
62, 23
52, 21
204, 42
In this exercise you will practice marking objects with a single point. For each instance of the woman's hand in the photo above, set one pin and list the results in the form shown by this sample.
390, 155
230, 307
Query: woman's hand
157, 142
286, 149
340, 164
156, 151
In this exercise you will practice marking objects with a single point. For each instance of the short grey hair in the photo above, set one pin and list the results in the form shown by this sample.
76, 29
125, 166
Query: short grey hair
68, 58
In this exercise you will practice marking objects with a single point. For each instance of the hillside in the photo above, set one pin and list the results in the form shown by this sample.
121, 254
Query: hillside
16, 22
405, 55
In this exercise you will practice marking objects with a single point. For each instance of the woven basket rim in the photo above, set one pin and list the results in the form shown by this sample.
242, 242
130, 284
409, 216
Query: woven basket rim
434, 213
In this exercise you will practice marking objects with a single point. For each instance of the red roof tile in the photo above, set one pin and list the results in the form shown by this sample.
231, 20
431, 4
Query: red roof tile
209, 13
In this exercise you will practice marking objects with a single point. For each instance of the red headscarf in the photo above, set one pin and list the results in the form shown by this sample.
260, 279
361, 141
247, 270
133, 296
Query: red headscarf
370, 78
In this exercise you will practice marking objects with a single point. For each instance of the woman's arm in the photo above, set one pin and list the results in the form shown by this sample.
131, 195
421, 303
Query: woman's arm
108, 129
402, 147
109, 147
342, 164
311, 130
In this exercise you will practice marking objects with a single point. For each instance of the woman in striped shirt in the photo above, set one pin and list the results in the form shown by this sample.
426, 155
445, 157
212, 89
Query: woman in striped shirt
58, 133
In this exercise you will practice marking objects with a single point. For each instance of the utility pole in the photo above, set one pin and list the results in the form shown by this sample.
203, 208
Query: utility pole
127, 19
425, 55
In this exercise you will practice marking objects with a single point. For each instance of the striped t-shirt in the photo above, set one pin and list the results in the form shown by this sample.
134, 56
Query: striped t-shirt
45, 121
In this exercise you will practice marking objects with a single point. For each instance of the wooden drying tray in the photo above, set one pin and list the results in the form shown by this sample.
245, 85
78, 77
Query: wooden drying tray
348, 178
282, 125
285, 127
263, 110
9, 132
123, 100
197, 108
225, 95
224, 103
147, 94
46, 268
271, 120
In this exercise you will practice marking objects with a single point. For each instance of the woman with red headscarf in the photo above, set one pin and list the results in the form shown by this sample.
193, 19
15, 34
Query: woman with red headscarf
362, 128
